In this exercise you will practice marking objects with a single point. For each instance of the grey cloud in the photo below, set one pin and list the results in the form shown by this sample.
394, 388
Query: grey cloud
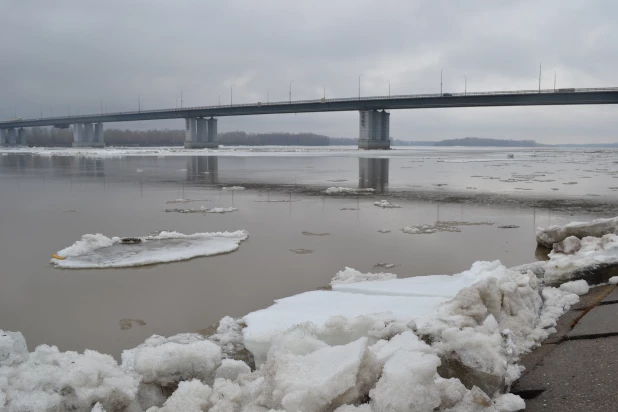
56, 53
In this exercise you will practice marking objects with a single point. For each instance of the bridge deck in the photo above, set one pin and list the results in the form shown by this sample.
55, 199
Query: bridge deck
570, 96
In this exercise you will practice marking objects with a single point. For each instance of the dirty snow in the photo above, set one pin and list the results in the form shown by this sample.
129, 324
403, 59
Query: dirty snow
99, 251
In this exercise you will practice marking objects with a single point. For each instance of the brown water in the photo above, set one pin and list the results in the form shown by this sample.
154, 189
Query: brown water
48, 203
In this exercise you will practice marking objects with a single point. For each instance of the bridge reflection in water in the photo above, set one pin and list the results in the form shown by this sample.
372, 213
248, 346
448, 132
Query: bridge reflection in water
373, 174
203, 169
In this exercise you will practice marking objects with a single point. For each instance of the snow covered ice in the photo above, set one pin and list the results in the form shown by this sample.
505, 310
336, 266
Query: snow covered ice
385, 204
596, 228
99, 251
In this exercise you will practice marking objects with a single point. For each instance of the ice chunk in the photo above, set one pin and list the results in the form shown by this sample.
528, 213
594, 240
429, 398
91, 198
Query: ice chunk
314, 381
407, 384
232, 188
166, 361
13, 349
347, 191
509, 402
231, 369
579, 287
191, 396
385, 204
98, 251
596, 228
230, 338
51, 380
218, 209
568, 246
613, 280
320, 306
445, 286
98, 407
365, 407
349, 275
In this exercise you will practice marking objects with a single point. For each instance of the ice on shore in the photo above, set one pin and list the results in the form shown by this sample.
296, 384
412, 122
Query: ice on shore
591, 255
596, 228
347, 191
349, 275
99, 251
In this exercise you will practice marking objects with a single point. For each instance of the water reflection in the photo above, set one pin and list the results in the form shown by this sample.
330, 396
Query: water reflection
373, 174
203, 169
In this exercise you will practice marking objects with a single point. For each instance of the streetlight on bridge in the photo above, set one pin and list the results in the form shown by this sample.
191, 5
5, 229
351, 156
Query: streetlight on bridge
441, 70
232, 94
324, 92
291, 81
139, 105
359, 77
465, 85
554, 80
389, 88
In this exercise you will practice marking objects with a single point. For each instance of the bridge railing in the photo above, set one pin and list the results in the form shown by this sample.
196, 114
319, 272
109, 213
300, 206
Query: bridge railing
63, 119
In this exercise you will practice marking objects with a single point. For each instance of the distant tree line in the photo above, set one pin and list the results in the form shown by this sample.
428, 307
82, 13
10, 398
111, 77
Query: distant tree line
479, 141
47, 136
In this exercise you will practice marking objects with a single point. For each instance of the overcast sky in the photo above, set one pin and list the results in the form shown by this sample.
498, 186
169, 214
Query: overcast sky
77, 52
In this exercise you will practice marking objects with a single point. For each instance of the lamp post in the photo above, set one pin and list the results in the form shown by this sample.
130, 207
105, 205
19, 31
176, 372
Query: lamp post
465, 85
232, 94
554, 80
540, 67
291, 81
267, 97
441, 70
219, 99
139, 105
359, 77
181, 90
324, 92
389, 88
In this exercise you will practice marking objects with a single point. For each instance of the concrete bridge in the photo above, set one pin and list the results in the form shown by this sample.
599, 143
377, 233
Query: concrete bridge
374, 121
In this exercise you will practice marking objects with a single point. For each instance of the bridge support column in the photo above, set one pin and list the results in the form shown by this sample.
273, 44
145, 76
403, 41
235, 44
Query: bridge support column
21, 136
11, 137
199, 132
374, 129
85, 135
98, 135
3, 135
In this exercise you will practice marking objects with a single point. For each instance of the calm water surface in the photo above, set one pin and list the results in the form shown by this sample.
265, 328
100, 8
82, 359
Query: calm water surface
49, 202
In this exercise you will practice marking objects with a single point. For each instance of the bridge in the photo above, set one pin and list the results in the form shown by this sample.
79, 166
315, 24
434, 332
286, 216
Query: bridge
374, 120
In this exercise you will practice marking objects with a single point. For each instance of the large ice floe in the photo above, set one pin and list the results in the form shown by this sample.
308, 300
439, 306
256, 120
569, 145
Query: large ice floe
99, 251
375, 343
596, 228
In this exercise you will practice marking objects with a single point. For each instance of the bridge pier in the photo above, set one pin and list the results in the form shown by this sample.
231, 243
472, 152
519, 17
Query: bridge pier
200, 133
21, 136
374, 129
3, 135
88, 135
11, 137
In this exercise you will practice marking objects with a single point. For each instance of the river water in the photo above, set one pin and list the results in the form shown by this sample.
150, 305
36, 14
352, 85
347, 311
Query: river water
50, 198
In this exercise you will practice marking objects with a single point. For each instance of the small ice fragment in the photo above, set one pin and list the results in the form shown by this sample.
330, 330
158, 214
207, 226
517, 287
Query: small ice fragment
579, 287
233, 188
384, 231
385, 204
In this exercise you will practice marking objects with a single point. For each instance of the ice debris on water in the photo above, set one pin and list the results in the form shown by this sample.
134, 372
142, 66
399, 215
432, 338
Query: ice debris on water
315, 234
204, 209
384, 231
348, 191
596, 228
232, 188
301, 251
385, 204
349, 275
440, 226
186, 201
99, 251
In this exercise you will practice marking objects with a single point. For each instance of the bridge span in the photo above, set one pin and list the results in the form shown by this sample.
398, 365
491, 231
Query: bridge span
374, 121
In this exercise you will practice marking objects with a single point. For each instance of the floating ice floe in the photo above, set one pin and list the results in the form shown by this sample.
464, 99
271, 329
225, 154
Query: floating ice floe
597, 228
440, 226
99, 251
232, 188
203, 209
385, 204
348, 191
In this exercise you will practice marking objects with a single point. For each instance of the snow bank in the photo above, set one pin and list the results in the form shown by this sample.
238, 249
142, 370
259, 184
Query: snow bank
98, 251
349, 275
347, 191
385, 204
191, 396
596, 228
